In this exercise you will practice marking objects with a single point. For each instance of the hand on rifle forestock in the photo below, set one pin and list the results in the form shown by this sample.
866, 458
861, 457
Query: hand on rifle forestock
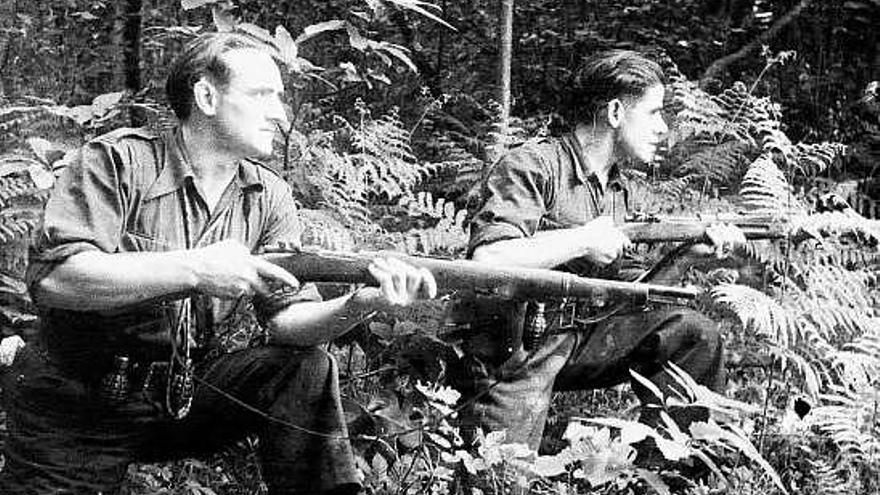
399, 284
605, 242
725, 238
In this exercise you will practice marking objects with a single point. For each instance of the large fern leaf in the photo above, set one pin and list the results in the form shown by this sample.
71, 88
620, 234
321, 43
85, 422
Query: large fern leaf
765, 189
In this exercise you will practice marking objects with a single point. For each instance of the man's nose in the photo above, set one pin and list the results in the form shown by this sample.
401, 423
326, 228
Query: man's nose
663, 128
278, 115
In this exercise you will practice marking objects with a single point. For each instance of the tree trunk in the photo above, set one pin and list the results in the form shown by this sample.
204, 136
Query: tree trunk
128, 27
506, 49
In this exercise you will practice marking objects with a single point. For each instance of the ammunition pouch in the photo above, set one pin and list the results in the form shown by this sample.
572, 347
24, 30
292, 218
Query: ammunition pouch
492, 327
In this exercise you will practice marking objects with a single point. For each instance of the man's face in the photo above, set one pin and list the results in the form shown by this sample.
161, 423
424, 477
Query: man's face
249, 108
642, 128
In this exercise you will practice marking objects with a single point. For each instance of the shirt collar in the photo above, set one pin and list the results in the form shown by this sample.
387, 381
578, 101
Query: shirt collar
177, 170
582, 170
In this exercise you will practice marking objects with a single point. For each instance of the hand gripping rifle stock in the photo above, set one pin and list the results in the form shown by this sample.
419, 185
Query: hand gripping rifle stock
314, 265
642, 229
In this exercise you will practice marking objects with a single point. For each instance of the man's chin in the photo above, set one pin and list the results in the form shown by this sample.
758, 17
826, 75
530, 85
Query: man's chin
261, 152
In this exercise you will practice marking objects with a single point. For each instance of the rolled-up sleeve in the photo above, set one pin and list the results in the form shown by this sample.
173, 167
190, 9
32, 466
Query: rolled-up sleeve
515, 195
84, 211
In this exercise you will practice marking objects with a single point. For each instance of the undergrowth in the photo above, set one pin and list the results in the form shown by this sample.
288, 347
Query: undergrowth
800, 314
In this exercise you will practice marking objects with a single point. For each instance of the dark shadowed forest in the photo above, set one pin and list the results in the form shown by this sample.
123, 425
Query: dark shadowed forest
397, 107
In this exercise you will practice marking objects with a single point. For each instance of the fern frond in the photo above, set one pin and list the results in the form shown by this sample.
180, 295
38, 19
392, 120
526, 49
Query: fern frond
851, 421
16, 228
765, 189
759, 312
851, 257
812, 159
656, 196
448, 235
321, 229
744, 108
699, 114
13, 187
844, 287
825, 479
847, 226
719, 164
858, 361
385, 157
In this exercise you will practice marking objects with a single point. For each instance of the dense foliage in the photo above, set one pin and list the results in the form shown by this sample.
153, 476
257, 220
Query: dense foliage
392, 125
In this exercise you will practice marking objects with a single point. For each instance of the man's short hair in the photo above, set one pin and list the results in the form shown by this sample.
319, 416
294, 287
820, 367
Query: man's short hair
202, 57
607, 75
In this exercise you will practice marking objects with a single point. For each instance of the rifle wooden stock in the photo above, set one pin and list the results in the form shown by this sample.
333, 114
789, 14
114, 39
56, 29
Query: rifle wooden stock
511, 282
676, 229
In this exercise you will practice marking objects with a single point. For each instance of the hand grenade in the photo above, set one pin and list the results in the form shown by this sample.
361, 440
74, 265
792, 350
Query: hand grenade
535, 328
179, 394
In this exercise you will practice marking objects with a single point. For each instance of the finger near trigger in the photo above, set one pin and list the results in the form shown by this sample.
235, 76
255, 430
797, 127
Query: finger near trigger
275, 273
260, 287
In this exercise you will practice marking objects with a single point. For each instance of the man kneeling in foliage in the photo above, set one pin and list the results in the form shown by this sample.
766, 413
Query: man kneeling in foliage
162, 334
554, 203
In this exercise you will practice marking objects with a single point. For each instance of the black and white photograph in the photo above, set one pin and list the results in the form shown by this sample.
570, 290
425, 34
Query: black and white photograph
403, 247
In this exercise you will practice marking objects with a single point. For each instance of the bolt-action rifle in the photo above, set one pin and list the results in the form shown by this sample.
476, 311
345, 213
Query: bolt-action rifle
476, 280
315, 265
653, 228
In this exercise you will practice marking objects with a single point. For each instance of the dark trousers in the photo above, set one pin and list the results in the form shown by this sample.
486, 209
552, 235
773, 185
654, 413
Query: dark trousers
64, 439
514, 395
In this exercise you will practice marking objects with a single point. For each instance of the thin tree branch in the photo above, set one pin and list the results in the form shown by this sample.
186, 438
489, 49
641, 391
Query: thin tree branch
722, 63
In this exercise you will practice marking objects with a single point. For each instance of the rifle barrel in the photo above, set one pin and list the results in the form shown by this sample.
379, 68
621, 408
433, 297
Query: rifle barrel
680, 231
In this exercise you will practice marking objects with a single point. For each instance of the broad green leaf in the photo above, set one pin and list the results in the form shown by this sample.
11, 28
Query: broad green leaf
647, 384
630, 431
439, 440
313, 30
86, 16
102, 103
223, 19
672, 428
577, 431
549, 465
286, 46
355, 39
654, 481
714, 433
46, 151
9, 347
400, 53
672, 450
257, 32
41, 177
419, 7
194, 4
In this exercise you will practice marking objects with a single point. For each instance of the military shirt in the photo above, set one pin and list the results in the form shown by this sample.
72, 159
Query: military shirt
545, 184
133, 190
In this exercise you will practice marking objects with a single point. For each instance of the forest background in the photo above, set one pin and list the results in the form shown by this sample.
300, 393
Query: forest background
398, 106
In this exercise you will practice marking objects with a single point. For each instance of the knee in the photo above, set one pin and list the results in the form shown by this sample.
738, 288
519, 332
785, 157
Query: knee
317, 362
698, 331
301, 375
311, 363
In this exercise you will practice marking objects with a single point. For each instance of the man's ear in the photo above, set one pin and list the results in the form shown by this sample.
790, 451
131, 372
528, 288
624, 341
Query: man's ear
615, 111
205, 95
